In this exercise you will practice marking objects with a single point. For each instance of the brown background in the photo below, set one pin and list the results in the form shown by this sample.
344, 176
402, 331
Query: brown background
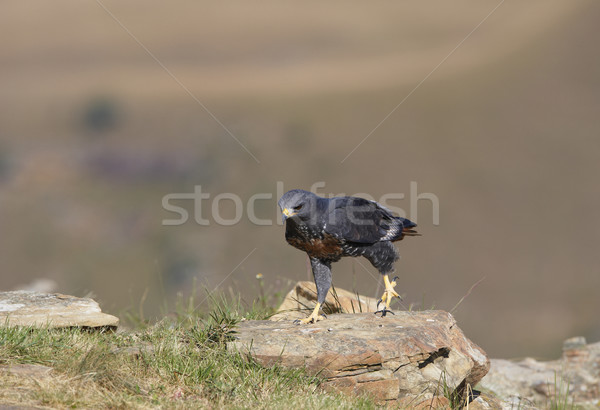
94, 132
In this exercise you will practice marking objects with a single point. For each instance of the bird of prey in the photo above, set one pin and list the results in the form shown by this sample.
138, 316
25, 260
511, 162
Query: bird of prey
329, 228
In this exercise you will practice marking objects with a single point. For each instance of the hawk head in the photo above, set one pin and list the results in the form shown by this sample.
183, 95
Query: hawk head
298, 203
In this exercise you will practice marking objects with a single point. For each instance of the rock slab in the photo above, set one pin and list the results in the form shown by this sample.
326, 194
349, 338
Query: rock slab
24, 308
301, 300
409, 355
529, 382
26, 370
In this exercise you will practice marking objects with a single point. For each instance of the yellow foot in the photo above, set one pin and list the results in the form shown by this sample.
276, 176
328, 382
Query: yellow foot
310, 319
313, 318
387, 296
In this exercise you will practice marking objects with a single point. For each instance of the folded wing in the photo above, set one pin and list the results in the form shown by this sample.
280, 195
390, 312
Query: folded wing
365, 222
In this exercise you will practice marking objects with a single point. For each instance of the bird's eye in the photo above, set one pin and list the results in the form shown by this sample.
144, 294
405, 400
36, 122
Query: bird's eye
299, 207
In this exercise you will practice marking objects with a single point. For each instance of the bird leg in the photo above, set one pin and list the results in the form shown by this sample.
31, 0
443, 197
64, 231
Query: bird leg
313, 318
322, 274
387, 296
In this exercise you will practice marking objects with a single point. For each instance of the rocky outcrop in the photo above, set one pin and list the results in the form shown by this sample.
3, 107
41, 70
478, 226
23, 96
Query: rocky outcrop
407, 356
23, 308
573, 379
301, 300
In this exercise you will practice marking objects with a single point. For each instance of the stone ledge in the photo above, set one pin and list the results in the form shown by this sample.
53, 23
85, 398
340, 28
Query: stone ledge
410, 354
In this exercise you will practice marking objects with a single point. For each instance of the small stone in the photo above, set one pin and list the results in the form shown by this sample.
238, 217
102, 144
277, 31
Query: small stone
436, 402
576, 342
136, 351
487, 402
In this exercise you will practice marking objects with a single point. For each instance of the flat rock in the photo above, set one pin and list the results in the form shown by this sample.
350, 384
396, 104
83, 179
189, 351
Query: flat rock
402, 356
24, 308
529, 382
27, 370
301, 300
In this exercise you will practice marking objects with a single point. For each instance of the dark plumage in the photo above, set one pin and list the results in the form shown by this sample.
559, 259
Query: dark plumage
329, 229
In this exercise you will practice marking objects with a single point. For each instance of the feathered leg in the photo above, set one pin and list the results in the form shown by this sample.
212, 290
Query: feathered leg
322, 274
382, 256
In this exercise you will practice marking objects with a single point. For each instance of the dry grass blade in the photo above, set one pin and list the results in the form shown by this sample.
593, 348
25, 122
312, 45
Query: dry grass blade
466, 294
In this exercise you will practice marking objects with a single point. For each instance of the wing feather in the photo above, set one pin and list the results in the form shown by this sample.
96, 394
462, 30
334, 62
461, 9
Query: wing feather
363, 221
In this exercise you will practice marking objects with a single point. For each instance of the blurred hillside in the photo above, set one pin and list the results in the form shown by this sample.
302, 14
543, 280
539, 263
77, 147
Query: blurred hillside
108, 107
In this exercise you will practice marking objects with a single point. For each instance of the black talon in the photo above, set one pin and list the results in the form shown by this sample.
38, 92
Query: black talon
378, 303
384, 311
395, 279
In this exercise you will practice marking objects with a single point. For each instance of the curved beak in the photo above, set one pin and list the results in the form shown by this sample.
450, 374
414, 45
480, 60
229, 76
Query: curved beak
286, 214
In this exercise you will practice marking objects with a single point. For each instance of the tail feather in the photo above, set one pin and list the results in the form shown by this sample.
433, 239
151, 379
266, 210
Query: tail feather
410, 232
406, 223
408, 229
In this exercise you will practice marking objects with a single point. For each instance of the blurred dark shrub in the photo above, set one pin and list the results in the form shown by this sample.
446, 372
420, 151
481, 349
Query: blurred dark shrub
4, 162
101, 114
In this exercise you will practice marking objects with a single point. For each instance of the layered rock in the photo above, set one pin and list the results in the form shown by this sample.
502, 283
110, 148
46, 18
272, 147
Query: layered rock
408, 356
24, 308
301, 300
573, 379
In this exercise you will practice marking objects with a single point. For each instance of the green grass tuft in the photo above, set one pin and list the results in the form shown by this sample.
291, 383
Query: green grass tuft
559, 394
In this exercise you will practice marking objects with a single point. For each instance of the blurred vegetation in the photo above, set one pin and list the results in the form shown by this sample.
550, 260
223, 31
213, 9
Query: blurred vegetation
101, 114
4, 163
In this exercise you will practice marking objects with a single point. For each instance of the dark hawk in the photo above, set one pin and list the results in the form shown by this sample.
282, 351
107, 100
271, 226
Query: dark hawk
328, 229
